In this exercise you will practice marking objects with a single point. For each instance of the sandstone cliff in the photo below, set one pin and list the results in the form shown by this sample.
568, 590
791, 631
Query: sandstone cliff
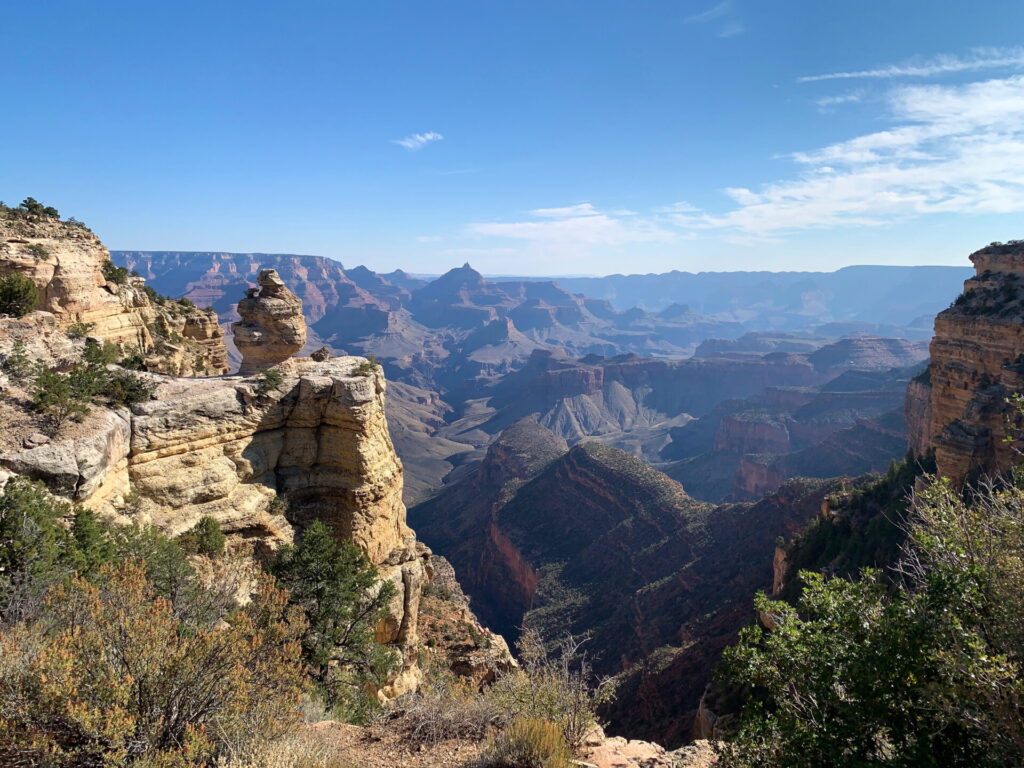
959, 408
78, 286
262, 456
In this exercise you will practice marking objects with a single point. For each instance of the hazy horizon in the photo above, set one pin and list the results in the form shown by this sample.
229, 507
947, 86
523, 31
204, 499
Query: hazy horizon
520, 275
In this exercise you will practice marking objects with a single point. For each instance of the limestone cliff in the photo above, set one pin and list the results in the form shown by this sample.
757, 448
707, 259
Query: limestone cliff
272, 327
78, 286
977, 361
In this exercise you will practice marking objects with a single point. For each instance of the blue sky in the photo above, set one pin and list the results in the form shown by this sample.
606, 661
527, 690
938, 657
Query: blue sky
549, 137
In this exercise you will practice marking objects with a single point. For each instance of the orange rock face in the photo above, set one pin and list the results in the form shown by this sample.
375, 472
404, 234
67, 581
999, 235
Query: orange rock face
977, 358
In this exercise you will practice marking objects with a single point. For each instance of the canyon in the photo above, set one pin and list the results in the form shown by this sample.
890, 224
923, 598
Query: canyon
592, 541
612, 473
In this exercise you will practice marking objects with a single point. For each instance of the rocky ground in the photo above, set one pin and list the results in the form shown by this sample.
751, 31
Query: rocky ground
384, 747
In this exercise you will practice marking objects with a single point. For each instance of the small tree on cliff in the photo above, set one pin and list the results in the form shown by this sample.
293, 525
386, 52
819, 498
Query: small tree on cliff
18, 295
344, 601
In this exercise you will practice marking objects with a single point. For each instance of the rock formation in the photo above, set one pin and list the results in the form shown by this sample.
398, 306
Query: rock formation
78, 286
261, 457
272, 327
959, 408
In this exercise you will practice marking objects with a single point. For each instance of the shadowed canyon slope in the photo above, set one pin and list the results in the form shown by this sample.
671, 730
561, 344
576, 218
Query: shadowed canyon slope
591, 540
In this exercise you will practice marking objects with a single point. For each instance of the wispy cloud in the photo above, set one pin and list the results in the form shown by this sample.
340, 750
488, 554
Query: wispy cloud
580, 225
712, 13
567, 212
722, 12
976, 60
826, 103
951, 149
415, 141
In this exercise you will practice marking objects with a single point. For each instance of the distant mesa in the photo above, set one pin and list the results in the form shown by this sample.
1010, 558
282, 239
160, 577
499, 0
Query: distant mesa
272, 328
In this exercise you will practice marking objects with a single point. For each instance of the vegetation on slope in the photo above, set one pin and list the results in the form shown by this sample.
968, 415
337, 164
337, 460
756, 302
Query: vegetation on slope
928, 672
864, 529
115, 651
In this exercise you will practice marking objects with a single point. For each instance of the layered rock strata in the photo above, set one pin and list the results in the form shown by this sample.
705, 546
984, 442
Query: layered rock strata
66, 262
272, 328
959, 408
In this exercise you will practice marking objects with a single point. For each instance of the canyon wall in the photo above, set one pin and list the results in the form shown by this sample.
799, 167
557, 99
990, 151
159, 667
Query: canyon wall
959, 408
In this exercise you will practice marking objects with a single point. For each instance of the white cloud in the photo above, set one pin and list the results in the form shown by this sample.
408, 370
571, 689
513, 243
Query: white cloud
724, 12
976, 60
952, 149
578, 225
681, 207
712, 13
417, 141
568, 212
826, 103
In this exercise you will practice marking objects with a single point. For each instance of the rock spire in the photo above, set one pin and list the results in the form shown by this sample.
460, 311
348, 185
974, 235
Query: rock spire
272, 328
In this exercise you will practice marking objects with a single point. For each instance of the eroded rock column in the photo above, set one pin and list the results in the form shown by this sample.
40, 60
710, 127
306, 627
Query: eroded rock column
272, 328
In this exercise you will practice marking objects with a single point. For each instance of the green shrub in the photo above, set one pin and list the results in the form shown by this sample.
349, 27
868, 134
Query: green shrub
32, 209
154, 297
18, 295
527, 743
100, 354
344, 600
58, 398
133, 361
127, 388
204, 538
269, 379
38, 250
868, 672
37, 548
114, 274
80, 330
368, 367
16, 362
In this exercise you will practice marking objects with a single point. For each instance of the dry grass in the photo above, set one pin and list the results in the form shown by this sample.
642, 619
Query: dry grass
304, 749
527, 743
446, 708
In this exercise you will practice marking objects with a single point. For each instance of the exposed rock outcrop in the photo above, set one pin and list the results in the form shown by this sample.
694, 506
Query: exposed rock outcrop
272, 328
67, 263
232, 449
977, 361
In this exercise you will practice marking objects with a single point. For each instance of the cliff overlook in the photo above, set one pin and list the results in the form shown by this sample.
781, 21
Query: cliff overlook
959, 407
260, 458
